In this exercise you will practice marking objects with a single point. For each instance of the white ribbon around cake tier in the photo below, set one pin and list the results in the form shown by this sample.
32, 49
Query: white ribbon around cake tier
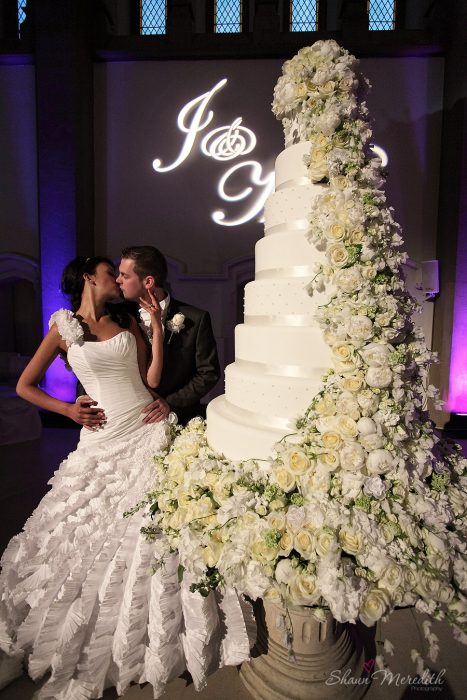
295, 226
294, 271
259, 420
285, 320
293, 182
278, 370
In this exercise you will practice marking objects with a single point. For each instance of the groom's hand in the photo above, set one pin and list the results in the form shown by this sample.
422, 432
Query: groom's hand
156, 411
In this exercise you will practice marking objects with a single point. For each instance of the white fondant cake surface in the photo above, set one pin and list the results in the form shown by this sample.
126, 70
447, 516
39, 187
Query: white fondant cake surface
279, 349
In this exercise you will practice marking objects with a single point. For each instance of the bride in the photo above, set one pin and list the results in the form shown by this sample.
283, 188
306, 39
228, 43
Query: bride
78, 598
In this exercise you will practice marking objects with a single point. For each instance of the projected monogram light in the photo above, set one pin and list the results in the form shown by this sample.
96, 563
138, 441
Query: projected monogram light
225, 144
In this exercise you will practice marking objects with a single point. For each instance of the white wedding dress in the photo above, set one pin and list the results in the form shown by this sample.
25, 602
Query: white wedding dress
78, 596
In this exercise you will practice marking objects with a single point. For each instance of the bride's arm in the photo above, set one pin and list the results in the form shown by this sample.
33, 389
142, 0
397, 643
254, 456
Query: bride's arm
33, 373
149, 362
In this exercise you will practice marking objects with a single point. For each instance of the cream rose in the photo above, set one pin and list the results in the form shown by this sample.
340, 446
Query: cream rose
351, 541
346, 427
325, 406
337, 255
325, 543
331, 440
343, 351
277, 521
303, 589
374, 607
284, 479
286, 543
304, 543
335, 232
262, 552
353, 384
392, 578
329, 459
297, 462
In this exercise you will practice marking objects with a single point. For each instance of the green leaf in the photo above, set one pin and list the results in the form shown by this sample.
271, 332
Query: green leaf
180, 572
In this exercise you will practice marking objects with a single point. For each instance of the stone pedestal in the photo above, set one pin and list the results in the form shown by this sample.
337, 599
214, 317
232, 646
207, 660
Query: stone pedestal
326, 662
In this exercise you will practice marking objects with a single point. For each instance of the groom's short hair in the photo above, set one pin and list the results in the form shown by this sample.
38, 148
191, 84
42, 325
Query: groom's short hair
148, 261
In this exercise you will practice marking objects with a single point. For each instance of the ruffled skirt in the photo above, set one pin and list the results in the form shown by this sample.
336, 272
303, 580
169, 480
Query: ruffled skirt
78, 597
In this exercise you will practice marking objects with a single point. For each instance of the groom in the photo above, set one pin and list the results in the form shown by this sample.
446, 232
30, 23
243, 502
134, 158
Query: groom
190, 364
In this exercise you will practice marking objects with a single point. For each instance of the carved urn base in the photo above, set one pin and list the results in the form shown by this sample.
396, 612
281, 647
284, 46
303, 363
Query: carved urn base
327, 660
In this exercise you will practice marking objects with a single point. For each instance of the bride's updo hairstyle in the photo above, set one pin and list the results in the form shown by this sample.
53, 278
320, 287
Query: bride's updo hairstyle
72, 283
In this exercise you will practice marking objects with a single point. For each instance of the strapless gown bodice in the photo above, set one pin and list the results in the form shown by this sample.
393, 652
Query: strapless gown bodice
109, 373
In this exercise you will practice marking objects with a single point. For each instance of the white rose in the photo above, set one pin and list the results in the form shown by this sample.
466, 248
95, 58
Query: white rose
337, 255
366, 426
262, 552
329, 459
297, 462
277, 521
284, 479
343, 352
284, 571
304, 543
325, 406
331, 440
318, 170
303, 589
379, 462
379, 377
350, 540
360, 327
375, 605
325, 543
352, 457
376, 354
335, 232
353, 384
286, 543
348, 280
375, 487
346, 427
392, 578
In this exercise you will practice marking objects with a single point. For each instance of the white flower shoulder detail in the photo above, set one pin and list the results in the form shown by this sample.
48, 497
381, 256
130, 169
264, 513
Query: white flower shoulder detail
68, 326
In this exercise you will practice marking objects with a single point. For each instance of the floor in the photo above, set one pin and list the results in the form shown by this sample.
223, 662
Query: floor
25, 469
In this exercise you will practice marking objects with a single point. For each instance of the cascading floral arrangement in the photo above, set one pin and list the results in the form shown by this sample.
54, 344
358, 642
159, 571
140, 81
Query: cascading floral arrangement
364, 508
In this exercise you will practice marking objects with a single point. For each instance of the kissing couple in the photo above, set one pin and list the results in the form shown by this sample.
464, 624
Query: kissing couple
78, 599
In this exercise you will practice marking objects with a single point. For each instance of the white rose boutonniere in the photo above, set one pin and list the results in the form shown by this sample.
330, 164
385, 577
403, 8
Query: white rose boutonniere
175, 325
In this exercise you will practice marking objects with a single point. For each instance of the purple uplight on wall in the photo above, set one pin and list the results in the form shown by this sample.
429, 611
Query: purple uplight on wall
57, 249
457, 402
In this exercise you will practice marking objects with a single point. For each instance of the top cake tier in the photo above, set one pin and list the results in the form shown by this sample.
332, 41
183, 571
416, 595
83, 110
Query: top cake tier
290, 169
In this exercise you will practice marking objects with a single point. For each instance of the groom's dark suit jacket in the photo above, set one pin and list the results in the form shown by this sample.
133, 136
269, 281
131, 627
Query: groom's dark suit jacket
190, 365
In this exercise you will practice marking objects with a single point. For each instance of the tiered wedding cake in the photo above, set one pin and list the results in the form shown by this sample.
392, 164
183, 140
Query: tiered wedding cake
280, 353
